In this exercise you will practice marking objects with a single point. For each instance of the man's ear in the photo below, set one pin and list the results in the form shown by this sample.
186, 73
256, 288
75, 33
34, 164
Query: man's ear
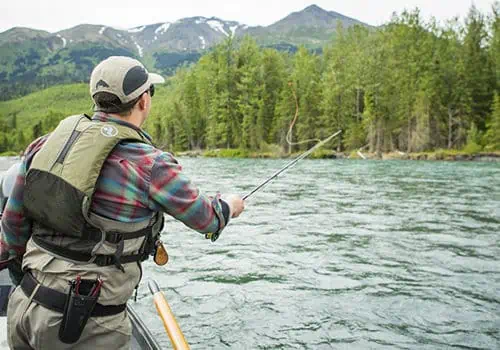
143, 102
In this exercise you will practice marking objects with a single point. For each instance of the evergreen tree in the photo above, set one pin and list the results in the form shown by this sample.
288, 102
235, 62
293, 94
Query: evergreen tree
495, 43
36, 130
493, 134
284, 114
306, 77
248, 91
220, 122
4, 143
13, 123
454, 95
21, 143
273, 75
478, 72
194, 121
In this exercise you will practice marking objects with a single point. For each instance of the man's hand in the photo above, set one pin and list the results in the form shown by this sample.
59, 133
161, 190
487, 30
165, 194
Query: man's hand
236, 204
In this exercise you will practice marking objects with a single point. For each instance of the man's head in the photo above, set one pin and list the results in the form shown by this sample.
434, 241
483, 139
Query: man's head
122, 85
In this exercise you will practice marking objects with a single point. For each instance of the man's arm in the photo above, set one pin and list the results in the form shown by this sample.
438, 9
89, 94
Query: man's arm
16, 227
172, 192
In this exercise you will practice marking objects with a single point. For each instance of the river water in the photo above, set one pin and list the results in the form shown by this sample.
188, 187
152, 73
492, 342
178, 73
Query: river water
339, 254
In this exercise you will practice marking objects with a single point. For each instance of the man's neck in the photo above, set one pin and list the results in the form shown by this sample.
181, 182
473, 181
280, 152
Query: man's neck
134, 119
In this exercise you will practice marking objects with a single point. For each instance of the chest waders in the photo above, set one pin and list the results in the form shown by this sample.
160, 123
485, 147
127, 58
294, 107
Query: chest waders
59, 187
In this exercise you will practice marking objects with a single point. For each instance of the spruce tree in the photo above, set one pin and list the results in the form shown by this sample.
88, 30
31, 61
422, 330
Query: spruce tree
493, 133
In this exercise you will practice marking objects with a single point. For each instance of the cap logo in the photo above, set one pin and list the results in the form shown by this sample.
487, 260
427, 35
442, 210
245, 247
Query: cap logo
109, 131
101, 83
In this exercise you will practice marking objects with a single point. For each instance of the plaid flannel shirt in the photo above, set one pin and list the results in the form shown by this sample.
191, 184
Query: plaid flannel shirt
136, 180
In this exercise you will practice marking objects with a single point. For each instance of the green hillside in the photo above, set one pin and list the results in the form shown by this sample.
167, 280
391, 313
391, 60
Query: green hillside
25, 118
57, 100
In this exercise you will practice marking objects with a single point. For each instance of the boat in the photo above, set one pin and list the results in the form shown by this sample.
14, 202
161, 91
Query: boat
142, 338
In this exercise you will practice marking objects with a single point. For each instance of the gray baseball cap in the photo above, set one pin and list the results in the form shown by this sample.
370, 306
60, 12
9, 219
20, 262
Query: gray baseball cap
124, 77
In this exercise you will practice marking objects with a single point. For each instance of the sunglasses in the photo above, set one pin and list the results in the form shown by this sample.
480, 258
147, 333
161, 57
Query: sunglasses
151, 90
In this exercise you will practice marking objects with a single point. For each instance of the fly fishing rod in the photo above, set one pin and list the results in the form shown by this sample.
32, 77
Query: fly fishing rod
290, 164
213, 236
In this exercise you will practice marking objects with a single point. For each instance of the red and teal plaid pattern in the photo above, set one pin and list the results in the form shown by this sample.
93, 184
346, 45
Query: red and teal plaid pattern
137, 180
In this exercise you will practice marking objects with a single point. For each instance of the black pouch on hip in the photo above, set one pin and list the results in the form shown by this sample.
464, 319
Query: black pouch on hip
80, 301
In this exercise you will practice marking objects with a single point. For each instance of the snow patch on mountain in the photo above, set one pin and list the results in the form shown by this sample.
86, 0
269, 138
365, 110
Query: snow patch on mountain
102, 30
233, 29
217, 26
203, 42
139, 48
163, 28
136, 29
63, 40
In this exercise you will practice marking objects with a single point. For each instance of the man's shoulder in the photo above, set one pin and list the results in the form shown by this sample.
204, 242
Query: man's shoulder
35, 146
37, 143
139, 152
138, 147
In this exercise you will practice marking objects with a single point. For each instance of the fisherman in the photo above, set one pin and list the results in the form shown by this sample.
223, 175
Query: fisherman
87, 209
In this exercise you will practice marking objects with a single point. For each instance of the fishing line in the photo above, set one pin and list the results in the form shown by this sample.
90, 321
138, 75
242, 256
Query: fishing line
290, 164
288, 137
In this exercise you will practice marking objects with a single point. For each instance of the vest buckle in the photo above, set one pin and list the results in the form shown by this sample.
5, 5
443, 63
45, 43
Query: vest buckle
114, 237
104, 260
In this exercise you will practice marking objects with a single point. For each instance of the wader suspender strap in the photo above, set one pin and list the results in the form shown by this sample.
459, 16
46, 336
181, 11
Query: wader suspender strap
105, 260
94, 234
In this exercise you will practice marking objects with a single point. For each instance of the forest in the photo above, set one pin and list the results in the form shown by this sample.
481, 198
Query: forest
412, 85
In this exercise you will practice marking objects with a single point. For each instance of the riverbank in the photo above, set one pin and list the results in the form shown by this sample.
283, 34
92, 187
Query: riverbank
444, 155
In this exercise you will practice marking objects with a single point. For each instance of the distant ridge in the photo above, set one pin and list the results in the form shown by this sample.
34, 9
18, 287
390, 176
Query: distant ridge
313, 16
193, 33
31, 58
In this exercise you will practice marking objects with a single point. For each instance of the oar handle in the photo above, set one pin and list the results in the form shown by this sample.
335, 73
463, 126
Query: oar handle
169, 322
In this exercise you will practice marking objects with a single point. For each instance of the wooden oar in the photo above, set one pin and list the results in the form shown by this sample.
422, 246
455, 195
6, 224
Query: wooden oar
171, 326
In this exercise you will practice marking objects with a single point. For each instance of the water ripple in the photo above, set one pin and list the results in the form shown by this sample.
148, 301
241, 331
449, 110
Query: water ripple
340, 255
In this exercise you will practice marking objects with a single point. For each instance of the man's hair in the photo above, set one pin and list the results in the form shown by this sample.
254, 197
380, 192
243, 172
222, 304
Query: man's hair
110, 103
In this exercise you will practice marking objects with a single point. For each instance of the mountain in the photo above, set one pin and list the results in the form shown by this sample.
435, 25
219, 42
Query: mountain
312, 27
312, 17
19, 34
188, 34
31, 59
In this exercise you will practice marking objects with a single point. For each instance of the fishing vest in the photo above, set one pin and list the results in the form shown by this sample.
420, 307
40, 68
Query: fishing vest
59, 187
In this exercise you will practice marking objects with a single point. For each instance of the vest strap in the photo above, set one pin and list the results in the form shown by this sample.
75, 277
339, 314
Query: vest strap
100, 260
94, 234
106, 260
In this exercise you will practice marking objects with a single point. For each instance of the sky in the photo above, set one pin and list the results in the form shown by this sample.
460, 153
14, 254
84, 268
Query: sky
55, 15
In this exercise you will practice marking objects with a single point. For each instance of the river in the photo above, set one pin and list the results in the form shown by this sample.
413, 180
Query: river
339, 254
